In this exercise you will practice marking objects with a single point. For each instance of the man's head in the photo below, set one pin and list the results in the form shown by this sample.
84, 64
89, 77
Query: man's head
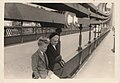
43, 43
54, 37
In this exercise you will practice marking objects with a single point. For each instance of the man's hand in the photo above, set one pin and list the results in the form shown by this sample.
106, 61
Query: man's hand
50, 73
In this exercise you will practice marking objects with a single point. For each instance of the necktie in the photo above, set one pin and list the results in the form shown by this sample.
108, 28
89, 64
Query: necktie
46, 61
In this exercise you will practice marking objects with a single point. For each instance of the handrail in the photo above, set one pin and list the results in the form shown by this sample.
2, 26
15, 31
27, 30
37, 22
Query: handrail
78, 61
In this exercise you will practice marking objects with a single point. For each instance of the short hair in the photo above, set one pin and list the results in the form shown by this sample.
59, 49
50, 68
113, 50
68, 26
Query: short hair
43, 40
53, 34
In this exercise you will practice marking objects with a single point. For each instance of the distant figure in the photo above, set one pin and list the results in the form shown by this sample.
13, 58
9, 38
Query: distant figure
40, 61
56, 62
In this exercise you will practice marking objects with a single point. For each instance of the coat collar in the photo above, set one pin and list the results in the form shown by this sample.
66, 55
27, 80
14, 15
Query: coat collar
40, 55
52, 46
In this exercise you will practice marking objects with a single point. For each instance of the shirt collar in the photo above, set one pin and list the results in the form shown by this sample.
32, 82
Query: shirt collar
41, 52
54, 46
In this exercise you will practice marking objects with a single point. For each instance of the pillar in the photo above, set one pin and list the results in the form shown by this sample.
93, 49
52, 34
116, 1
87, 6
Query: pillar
89, 34
95, 32
80, 38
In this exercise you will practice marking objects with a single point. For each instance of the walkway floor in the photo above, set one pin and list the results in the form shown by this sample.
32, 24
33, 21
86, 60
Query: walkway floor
101, 64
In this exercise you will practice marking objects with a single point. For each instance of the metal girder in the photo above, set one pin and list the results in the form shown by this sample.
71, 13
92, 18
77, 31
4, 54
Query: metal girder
84, 21
98, 22
22, 12
76, 8
94, 15
87, 21
103, 14
93, 8
95, 22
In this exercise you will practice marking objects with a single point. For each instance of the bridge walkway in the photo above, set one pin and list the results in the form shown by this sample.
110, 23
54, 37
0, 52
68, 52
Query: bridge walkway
99, 65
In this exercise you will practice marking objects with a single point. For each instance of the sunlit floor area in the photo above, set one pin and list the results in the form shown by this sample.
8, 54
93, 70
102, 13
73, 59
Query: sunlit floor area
101, 62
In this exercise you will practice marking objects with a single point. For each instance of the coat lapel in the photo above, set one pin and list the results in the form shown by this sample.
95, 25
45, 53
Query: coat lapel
54, 51
41, 56
46, 59
53, 47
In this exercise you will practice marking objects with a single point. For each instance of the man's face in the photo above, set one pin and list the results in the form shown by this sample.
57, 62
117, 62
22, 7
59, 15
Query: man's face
43, 47
54, 40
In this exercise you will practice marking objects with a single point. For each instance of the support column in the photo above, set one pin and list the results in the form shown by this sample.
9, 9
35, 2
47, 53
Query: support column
80, 38
35, 32
89, 26
105, 25
5, 33
95, 33
113, 44
98, 30
21, 32
89, 34
101, 29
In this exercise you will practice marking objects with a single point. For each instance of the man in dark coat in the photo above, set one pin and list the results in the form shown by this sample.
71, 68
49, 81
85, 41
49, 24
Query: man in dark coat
56, 62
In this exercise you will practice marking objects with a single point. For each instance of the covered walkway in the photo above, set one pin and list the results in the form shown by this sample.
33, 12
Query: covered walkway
99, 65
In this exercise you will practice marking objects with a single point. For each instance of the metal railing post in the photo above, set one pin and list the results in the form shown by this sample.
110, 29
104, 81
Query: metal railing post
89, 26
95, 33
80, 38
21, 32
89, 34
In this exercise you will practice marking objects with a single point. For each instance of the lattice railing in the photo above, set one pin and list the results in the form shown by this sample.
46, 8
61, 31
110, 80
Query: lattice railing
12, 31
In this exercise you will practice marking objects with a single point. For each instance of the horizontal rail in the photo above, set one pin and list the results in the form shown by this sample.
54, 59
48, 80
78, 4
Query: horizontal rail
21, 34
77, 61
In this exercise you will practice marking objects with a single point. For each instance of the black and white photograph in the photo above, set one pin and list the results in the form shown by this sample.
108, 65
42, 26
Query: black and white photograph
59, 40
